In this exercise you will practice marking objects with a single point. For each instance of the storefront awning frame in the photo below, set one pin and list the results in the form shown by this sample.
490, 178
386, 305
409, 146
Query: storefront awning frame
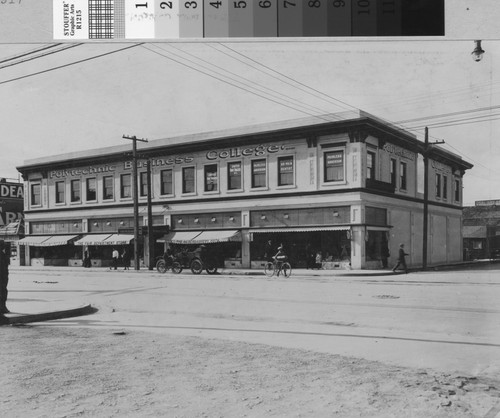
180, 237
118, 239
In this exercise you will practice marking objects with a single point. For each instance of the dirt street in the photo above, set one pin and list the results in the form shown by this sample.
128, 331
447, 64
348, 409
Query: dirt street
61, 371
229, 346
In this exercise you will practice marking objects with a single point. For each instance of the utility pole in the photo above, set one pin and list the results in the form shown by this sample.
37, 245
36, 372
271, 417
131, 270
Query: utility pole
135, 197
151, 242
426, 197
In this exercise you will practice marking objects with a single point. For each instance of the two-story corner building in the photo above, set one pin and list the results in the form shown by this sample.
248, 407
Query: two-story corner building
343, 185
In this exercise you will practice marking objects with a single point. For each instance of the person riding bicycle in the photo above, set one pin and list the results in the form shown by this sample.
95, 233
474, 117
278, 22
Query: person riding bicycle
280, 258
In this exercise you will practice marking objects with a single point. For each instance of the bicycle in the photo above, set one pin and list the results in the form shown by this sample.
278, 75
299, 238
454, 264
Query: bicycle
276, 267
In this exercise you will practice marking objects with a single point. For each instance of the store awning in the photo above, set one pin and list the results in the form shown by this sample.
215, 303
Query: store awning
56, 240
301, 229
210, 237
34, 240
179, 237
118, 239
97, 239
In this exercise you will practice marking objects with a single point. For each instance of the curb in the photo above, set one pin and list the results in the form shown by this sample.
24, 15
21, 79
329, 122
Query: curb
47, 316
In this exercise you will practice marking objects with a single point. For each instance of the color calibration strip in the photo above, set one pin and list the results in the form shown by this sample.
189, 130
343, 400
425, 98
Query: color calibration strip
177, 19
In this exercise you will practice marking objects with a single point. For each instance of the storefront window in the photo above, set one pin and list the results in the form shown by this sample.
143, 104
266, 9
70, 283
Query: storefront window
107, 187
143, 184
125, 186
438, 185
211, 178
334, 166
36, 194
60, 191
234, 176
259, 168
75, 191
402, 176
370, 165
91, 189
285, 171
188, 180
166, 182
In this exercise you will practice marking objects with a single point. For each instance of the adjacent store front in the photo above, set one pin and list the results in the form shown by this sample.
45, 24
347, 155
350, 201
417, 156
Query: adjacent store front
344, 190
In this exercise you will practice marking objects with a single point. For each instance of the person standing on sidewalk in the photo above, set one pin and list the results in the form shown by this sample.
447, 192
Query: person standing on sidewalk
4, 276
115, 256
401, 259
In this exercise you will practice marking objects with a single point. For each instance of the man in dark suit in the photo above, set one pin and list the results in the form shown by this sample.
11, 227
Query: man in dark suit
401, 259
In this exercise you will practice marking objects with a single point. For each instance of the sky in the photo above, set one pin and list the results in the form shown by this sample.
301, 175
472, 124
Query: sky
157, 90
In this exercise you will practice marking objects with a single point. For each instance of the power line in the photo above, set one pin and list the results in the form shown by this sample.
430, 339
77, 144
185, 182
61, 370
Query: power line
233, 84
41, 55
68, 65
308, 88
29, 53
442, 115
248, 82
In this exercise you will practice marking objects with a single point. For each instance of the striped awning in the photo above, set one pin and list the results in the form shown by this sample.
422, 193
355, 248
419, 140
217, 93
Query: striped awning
301, 229
210, 237
56, 240
96, 239
179, 237
34, 240
118, 239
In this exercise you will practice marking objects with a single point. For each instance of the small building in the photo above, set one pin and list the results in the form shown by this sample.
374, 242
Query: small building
347, 186
481, 230
11, 215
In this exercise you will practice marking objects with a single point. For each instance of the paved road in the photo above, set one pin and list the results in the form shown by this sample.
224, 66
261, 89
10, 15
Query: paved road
448, 321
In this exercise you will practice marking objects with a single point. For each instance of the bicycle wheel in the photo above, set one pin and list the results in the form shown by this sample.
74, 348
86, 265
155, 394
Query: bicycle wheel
269, 269
286, 269
196, 266
176, 267
161, 266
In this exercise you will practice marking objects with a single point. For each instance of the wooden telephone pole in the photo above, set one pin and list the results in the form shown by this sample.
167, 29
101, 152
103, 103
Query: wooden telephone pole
135, 197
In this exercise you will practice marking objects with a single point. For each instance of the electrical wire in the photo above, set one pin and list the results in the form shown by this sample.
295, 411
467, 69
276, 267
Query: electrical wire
64, 48
69, 64
216, 77
29, 53
307, 89
250, 83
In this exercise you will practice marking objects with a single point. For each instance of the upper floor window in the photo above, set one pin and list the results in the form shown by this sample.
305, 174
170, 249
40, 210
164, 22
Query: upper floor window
438, 185
211, 178
445, 187
259, 173
457, 190
188, 183
36, 194
60, 185
370, 165
143, 184
125, 186
334, 166
166, 182
75, 187
393, 172
107, 187
403, 175
91, 189
234, 176
285, 171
